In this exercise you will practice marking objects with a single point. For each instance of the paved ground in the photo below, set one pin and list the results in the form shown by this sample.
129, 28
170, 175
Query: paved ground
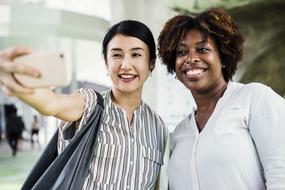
13, 170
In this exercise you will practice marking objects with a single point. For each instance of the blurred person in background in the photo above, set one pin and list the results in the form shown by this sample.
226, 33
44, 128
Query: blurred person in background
131, 140
35, 131
14, 127
1, 129
235, 136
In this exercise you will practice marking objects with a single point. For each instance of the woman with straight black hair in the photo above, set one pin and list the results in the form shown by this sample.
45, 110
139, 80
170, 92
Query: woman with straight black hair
131, 139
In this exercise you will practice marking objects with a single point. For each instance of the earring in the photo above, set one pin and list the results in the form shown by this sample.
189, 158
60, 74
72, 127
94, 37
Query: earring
150, 73
223, 66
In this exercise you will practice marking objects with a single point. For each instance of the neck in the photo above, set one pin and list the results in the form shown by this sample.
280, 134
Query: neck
209, 99
127, 101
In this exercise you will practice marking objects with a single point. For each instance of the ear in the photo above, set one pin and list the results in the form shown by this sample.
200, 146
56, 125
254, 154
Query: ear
152, 66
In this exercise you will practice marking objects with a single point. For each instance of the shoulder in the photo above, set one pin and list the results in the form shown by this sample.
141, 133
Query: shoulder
152, 115
87, 91
182, 130
89, 95
90, 101
183, 125
259, 90
249, 87
255, 87
251, 91
260, 97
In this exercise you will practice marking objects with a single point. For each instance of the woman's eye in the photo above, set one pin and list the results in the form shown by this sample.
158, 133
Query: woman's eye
202, 50
136, 54
116, 55
181, 52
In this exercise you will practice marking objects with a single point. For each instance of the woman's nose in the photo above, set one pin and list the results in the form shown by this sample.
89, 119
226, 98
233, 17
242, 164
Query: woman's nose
192, 58
126, 63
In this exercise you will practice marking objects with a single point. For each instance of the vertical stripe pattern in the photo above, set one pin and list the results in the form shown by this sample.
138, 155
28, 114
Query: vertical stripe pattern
126, 156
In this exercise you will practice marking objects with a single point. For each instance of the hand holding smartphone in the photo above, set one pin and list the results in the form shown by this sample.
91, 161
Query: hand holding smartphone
52, 66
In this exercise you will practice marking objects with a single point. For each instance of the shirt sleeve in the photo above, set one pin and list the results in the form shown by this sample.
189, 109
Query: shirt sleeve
90, 101
163, 177
267, 128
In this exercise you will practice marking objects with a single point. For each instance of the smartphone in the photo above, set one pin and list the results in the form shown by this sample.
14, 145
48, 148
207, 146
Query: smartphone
52, 66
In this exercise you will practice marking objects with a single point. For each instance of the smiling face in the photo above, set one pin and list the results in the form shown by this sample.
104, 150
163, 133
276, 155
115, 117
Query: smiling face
128, 63
198, 65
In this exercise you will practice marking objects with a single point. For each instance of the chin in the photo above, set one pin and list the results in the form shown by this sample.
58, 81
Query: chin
194, 86
128, 89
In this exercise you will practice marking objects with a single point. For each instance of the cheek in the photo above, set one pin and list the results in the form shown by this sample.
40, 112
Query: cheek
178, 64
144, 70
143, 66
112, 66
216, 60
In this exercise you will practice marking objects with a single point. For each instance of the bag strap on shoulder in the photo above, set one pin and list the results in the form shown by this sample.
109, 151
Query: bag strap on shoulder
100, 100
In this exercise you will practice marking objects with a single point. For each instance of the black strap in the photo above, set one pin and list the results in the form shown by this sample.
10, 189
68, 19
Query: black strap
100, 100
69, 169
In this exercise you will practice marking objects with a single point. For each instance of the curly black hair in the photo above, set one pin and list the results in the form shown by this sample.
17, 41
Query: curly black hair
217, 24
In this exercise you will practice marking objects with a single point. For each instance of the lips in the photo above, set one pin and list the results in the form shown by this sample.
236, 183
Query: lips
194, 73
127, 77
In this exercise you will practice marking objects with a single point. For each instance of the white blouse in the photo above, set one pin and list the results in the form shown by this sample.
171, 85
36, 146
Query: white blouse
242, 146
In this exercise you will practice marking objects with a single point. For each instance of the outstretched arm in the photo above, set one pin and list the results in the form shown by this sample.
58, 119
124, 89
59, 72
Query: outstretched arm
62, 106
44, 100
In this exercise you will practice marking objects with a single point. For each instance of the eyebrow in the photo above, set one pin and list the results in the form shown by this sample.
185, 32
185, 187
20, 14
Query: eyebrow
182, 45
137, 48
133, 49
116, 49
203, 42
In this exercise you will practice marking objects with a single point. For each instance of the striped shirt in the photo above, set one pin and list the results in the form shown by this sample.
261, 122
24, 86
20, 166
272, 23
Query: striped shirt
126, 156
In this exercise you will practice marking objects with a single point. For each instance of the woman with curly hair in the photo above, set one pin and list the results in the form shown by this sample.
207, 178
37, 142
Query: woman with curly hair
235, 136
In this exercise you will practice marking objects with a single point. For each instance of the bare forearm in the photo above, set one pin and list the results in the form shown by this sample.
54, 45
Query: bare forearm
43, 100
64, 107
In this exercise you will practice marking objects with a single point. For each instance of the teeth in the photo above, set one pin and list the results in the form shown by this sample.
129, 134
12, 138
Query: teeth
195, 71
126, 76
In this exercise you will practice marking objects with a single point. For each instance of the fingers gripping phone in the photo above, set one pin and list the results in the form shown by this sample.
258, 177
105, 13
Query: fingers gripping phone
52, 66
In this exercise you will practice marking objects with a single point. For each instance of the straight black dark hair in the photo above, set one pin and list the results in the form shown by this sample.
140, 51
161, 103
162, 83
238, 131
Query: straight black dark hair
131, 28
